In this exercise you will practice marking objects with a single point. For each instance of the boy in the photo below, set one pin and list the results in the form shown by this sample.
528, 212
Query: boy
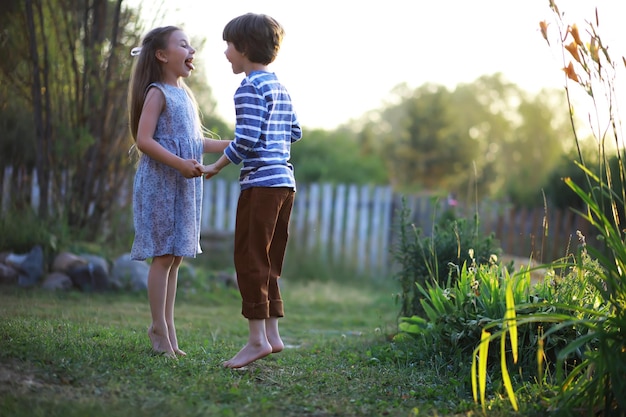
266, 125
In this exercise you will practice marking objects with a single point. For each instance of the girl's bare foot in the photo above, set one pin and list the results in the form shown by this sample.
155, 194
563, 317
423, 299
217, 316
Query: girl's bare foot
174, 342
249, 353
160, 343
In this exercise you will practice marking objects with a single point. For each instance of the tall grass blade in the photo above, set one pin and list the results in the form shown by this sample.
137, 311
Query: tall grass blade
482, 365
510, 317
474, 378
506, 379
540, 355
575, 345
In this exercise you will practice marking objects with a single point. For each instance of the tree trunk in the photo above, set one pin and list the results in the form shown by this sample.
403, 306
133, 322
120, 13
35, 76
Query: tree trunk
38, 112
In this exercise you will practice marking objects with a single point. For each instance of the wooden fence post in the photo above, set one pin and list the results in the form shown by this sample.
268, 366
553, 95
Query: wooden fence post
326, 219
363, 228
338, 221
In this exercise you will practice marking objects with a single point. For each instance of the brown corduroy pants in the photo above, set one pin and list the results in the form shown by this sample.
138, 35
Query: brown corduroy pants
261, 234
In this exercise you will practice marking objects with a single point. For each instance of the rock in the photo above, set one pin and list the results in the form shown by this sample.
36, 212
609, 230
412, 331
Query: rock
8, 274
186, 275
31, 268
89, 277
3, 256
129, 274
57, 281
65, 261
15, 260
96, 260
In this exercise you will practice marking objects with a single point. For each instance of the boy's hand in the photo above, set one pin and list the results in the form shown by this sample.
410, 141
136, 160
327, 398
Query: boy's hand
213, 169
210, 171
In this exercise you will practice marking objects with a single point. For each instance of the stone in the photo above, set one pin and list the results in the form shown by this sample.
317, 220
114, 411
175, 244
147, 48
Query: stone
31, 269
15, 260
96, 260
130, 274
65, 261
57, 281
8, 274
89, 277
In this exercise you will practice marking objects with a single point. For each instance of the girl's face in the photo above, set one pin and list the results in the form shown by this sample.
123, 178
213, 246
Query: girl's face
178, 57
236, 58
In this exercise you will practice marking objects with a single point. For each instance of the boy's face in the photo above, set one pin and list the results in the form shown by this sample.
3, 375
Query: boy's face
236, 58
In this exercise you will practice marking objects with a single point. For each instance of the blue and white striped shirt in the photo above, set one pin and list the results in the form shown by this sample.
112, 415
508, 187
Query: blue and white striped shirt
266, 127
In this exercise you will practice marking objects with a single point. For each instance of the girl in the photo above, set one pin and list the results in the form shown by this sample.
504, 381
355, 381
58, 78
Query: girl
167, 191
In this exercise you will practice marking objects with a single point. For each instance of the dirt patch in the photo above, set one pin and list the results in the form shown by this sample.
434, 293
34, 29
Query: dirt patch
22, 379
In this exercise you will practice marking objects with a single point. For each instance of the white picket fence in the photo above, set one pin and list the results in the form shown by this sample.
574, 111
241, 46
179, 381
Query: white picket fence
346, 224
356, 225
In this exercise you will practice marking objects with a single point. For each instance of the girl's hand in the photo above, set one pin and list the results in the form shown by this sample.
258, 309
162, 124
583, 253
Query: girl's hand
190, 168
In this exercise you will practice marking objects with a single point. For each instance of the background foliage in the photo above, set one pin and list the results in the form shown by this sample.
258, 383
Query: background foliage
63, 91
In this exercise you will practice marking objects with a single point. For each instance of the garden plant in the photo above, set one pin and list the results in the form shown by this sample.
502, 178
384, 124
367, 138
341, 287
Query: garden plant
561, 340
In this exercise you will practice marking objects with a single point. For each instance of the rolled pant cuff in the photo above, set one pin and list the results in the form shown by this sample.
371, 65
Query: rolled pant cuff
276, 308
261, 311
255, 311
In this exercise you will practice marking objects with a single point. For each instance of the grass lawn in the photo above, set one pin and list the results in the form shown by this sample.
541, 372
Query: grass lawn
76, 354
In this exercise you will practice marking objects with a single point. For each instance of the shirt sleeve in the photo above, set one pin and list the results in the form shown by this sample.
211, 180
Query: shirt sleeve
296, 130
250, 110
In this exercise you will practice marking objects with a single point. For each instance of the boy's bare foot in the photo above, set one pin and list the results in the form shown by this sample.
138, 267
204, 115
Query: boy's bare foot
160, 343
249, 353
276, 343
273, 335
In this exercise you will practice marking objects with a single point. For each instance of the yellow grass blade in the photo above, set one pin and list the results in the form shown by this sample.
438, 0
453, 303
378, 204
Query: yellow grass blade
510, 317
505, 373
540, 356
482, 366
474, 377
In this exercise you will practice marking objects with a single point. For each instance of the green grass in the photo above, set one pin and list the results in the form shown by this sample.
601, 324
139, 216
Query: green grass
75, 354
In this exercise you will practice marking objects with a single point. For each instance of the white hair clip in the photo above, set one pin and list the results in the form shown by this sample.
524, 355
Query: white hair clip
135, 51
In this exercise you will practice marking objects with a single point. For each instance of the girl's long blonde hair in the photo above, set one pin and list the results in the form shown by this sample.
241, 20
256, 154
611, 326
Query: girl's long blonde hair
147, 70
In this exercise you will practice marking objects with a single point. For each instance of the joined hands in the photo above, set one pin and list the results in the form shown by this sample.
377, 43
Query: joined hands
207, 171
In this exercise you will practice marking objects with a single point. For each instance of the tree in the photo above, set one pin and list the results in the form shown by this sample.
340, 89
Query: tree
335, 157
536, 149
520, 135
488, 136
68, 65
420, 140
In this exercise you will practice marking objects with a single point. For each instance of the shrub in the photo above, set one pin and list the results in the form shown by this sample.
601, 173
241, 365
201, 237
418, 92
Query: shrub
437, 258
22, 231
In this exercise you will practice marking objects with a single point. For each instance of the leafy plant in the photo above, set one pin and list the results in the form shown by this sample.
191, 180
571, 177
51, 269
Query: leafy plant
22, 230
458, 314
437, 258
596, 312
598, 382
481, 307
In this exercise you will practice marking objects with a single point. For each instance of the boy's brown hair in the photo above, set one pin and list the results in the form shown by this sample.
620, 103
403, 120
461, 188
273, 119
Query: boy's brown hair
258, 36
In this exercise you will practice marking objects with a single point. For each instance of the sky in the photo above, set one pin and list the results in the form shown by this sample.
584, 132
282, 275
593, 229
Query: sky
342, 58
